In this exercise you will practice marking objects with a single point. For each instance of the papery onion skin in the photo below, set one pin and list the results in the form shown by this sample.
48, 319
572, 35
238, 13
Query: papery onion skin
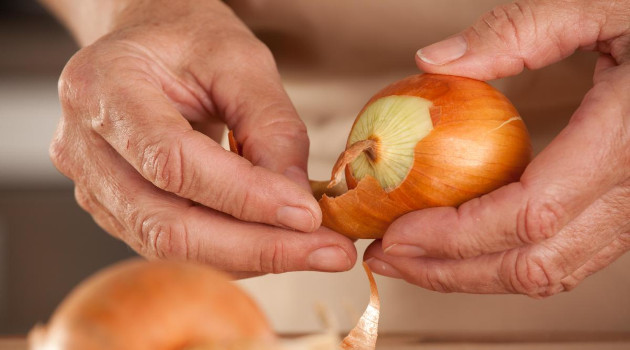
478, 144
156, 305
363, 336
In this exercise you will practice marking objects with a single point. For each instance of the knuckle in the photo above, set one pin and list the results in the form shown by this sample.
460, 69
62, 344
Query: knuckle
550, 291
539, 220
256, 50
436, 281
59, 155
103, 120
245, 53
463, 243
263, 54
162, 163
506, 23
237, 201
286, 132
66, 86
242, 206
83, 199
624, 240
291, 129
76, 79
530, 275
570, 282
455, 249
57, 152
164, 238
273, 257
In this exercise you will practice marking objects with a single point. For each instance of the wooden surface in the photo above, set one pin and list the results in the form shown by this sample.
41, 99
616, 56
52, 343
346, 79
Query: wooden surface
12, 344
582, 341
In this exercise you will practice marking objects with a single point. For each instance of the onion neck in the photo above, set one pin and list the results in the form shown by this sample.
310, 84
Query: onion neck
385, 136
369, 147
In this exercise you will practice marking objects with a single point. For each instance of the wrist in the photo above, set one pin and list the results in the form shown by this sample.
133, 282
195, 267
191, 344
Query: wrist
88, 20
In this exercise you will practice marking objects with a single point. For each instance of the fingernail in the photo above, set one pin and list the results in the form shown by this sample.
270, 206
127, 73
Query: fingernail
382, 268
298, 175
296, 218
405, 251
329, 259
444, 51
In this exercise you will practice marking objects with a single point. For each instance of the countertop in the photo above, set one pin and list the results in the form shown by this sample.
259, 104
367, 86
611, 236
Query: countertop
566, 341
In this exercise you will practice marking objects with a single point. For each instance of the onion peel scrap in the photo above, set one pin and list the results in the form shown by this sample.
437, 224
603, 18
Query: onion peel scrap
348, 156
319, 188
363, 335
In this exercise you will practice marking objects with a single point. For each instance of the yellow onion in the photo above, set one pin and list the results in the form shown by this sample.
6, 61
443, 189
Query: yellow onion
153, 305
162, 305
425, 141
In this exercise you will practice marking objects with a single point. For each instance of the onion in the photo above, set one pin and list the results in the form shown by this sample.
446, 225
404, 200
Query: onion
425, 141
153, 305
162, 305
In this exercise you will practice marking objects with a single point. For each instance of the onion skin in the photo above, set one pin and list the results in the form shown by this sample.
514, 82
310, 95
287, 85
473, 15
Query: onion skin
363, 336
478, 144
154, 305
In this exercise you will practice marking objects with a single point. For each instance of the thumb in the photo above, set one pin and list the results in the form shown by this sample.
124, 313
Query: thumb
529, 34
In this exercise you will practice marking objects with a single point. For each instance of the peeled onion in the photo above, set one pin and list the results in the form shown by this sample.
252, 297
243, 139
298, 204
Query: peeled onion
425, 141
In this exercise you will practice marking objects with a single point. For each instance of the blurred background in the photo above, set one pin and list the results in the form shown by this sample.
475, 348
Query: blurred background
331, 66
47, 244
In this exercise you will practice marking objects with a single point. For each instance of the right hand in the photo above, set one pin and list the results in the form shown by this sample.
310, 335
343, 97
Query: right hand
569, 215
141, 107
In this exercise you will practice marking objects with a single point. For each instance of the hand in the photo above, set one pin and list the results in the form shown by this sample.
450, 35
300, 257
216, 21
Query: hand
141, 107
569, 216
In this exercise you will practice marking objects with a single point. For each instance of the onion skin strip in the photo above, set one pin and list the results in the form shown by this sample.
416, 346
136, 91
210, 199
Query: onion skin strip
348, 156
234, 146
319, 188
363, 335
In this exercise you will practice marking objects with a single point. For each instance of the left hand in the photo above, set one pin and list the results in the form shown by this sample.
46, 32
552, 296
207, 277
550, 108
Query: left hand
569, 216
144, 107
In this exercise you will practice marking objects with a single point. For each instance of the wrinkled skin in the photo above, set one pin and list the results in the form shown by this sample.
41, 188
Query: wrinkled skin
569, 216
144, 104
143, 109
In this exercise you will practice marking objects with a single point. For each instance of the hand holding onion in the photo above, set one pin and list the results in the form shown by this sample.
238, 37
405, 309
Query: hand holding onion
569, 216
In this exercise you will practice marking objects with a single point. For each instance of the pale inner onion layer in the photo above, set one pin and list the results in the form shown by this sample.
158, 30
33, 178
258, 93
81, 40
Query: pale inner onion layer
396, 123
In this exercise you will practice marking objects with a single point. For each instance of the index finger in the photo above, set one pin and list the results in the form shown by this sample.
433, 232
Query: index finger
143, 126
